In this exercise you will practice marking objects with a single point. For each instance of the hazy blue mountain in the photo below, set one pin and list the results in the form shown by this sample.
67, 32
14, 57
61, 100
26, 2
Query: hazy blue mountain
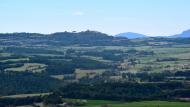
131, 35
185, 34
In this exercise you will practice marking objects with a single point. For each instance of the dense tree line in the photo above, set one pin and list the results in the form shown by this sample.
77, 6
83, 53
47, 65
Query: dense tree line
185, 73
6, 102
22, 50
120, 91
21, 83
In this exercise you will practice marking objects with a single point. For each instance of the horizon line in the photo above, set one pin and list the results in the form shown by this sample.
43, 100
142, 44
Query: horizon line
90, 30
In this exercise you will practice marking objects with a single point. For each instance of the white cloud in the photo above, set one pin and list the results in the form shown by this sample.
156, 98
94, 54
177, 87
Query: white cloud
78, 13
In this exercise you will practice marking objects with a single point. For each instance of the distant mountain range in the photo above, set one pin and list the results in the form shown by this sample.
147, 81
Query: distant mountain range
84, 38
185, 34
131, 35
89, 37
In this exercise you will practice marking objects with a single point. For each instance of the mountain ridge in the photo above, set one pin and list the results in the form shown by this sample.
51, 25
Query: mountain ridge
132, 35
92, 34
184, 34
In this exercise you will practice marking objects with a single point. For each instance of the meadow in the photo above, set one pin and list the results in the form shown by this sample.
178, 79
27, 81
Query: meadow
99, 103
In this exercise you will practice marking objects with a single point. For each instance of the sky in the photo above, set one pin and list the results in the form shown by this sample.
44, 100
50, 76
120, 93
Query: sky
150, 17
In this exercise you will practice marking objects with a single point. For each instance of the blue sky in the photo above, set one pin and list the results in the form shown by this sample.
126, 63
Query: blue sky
150, 17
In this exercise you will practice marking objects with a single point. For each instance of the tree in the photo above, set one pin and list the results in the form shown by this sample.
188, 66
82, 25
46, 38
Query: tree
52, 99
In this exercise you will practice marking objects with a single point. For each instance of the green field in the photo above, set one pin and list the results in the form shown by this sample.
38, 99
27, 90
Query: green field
34, 67
99, 103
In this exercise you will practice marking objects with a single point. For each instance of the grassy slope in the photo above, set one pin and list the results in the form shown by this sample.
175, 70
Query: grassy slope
98, 103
